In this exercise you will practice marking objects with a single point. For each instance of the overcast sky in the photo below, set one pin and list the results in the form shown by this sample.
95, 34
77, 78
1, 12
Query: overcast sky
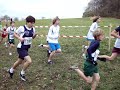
46, 8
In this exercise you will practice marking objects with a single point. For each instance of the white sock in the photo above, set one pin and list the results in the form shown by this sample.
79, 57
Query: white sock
49, 51
22, 72
86, 47
5, 43
11, 70
49, 60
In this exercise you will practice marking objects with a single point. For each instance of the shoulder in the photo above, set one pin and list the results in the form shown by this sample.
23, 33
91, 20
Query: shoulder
58, 26
34, 29
95, 42
21, 29
8, 28
52, 26
14, 28
95, 23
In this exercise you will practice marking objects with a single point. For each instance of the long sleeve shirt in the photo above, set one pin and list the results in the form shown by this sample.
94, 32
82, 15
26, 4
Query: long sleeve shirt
92, 48
53, 34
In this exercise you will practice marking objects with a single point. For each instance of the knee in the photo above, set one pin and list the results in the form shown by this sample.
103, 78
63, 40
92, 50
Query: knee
97, 78
29, 61
53, 52
59, 51
110, 58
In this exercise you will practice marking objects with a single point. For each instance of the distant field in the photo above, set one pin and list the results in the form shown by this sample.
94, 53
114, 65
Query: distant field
57, 77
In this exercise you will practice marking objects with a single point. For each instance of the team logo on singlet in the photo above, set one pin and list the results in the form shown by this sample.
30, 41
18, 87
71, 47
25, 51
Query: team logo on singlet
26, 33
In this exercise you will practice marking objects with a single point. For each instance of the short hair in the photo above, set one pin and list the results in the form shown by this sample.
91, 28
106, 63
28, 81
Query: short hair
96, 18
30, 19
11, 21
55, 19
97, 33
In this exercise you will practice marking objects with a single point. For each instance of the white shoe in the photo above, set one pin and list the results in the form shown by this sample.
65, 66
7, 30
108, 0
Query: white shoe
10, 54
74, 67
84, 56
22, 76
41, 45
83, 48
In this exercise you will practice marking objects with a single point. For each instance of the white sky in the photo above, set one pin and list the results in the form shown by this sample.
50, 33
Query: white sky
46, 8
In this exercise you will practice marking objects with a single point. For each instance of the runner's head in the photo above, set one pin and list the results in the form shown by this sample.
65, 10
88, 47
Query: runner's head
56, 21
98, 35
30, 20
96, 19
12, 23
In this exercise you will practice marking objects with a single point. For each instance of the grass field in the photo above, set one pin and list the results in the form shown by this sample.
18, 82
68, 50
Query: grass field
58, 76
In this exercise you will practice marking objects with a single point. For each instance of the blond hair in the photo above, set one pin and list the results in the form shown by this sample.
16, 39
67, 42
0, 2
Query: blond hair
97, 33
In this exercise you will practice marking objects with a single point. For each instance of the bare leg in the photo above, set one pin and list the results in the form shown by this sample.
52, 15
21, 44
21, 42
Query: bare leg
81, 74
58, 52
27, 62
112, 57
1, 40
96, 79
17, 63
51, 55
11, 45
46, 46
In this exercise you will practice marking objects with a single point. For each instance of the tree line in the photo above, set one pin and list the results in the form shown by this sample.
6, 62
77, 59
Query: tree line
104, 8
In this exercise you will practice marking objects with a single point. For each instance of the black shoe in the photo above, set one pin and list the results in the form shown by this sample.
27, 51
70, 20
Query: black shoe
48, 53
11, 74
22, 76
50, 62
102, 59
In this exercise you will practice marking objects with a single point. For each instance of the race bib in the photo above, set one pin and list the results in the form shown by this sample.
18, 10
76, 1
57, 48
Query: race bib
95, 54
11, 36
117, 43
28, 41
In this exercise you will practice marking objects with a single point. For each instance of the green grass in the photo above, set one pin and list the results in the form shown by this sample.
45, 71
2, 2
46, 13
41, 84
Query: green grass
57, 77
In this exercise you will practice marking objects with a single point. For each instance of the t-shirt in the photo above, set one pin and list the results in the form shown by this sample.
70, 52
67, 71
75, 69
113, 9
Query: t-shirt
93, 27
53, 34
92, 49
11, 31
117, 43
21, 32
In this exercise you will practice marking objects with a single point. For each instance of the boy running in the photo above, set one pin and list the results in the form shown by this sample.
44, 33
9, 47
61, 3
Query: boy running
24, 34
116, 49
93, 28
91, 74
4, 35
10, 31
53, 36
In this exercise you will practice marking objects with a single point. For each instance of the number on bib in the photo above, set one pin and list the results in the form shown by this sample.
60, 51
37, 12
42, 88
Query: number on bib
28, 41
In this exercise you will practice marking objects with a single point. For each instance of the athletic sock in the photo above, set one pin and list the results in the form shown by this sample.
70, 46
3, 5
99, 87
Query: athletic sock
49, 60
49, 51
22, 72
11, 70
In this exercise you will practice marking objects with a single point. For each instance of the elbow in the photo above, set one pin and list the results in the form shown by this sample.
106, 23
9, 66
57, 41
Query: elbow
14, 34
112, 34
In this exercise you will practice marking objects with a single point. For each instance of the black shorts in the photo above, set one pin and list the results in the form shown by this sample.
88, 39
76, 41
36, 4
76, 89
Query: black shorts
116, 50
11, 41
22, 53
